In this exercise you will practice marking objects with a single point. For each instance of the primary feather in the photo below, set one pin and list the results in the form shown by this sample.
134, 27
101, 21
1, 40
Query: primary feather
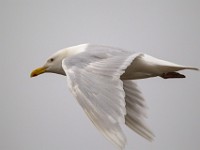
101, 79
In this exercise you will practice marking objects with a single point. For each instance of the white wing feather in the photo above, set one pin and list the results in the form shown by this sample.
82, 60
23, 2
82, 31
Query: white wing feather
99, 76
135, 108
94, 79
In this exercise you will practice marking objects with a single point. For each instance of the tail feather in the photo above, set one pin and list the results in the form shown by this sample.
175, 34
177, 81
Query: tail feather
192, 68
162, 66
146, 66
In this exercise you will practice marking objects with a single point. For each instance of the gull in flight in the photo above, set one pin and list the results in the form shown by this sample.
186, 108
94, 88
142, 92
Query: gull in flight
101, 78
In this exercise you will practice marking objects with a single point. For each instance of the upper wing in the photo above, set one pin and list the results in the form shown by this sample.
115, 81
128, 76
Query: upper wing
94, 80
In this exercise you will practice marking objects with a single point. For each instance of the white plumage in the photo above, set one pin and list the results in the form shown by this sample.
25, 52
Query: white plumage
101, 79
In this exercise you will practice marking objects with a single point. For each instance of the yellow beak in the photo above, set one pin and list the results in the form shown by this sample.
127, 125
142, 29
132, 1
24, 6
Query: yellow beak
38, 71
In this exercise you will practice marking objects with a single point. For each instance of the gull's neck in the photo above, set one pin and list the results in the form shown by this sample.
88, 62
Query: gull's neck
70, 51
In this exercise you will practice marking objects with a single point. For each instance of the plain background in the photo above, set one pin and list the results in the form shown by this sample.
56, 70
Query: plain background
41, 114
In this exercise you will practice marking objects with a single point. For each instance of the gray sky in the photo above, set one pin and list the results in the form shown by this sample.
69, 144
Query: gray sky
41, 114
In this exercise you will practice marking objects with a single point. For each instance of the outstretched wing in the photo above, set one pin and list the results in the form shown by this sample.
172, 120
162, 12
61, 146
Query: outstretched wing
94, 80
135, 110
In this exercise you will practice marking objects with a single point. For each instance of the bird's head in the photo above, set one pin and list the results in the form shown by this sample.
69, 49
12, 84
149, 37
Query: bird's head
53, 64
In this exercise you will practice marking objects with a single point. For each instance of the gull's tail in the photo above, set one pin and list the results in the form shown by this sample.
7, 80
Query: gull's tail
145, 66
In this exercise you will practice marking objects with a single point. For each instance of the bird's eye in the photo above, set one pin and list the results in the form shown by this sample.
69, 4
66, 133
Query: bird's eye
51, 60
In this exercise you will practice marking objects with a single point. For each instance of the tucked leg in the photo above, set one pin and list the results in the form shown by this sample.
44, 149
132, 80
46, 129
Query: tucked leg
172, 75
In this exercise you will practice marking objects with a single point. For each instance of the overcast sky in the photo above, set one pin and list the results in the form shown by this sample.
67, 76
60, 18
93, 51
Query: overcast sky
41, 114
